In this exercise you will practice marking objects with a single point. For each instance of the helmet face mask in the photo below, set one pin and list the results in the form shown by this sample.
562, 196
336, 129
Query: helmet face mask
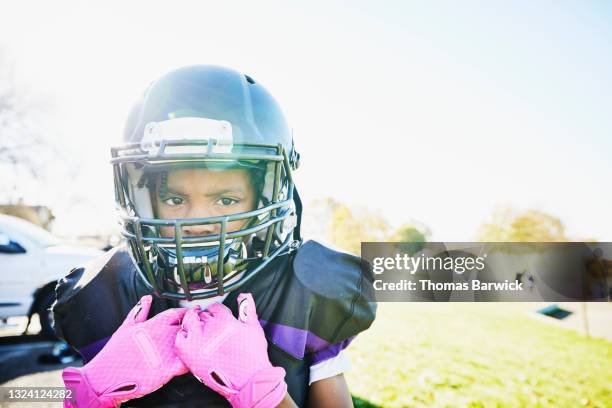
180, 265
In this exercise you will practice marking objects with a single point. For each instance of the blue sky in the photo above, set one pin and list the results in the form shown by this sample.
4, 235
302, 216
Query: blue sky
429, 111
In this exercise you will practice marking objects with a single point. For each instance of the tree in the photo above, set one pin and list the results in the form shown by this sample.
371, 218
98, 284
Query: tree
23, 149
509, 225
409, 233
343, 226
351, 227
347, 227
39, 215
410, 238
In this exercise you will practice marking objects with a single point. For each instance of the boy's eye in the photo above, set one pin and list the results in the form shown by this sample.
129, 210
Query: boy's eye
173, 201
226, 201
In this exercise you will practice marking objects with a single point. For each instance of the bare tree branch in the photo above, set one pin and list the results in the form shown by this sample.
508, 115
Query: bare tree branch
22, 142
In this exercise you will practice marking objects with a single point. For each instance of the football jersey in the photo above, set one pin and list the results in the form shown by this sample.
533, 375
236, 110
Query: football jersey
311, 304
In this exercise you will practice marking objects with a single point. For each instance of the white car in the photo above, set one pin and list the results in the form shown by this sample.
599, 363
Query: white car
31, 261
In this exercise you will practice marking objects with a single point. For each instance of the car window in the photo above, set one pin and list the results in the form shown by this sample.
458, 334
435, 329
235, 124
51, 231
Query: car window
4, 238
33, 232
8, 246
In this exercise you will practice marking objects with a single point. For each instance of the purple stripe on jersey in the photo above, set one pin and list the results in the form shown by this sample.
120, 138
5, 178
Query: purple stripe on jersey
298, 342
88, 352
331, 351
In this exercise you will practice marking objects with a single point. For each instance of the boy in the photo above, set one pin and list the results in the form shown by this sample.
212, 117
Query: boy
211, 217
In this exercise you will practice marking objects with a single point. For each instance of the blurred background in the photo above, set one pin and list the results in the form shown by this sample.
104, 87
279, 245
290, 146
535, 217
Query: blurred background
437, 121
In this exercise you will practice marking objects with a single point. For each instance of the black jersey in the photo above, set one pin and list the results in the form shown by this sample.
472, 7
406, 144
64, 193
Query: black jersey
311, 304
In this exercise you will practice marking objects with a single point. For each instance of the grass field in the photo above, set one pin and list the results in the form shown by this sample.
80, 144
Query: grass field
476, 355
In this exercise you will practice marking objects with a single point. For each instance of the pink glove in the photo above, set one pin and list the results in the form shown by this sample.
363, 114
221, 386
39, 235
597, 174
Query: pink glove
138, 359
230, 355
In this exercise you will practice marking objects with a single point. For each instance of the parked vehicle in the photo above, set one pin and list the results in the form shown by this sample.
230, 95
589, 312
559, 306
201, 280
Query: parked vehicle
31, 261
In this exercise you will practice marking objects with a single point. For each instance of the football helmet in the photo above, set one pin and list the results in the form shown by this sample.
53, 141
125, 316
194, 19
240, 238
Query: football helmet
218, 119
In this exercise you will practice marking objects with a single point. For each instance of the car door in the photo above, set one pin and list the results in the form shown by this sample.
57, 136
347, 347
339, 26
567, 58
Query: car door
18, 263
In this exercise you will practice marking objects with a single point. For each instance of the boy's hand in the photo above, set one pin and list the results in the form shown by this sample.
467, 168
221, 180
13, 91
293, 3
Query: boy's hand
138, 359
230, 355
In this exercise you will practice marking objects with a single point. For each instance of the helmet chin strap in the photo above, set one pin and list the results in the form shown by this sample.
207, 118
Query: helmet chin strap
298, 210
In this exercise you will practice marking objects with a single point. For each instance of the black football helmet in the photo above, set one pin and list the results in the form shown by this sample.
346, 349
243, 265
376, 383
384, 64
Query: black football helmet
216, 118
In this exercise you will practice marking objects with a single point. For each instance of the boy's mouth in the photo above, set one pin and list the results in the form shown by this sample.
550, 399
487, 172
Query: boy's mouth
202, 285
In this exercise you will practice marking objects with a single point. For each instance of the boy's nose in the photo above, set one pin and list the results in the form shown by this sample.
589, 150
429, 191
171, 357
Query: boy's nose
199, 210
199, 230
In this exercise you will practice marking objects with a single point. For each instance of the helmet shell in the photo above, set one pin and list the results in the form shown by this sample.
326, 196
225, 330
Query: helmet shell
213, 92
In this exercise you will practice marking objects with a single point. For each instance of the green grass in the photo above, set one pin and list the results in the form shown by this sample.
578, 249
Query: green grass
476, 355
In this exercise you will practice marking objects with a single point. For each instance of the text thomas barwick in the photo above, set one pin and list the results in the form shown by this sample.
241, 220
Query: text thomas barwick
426, 284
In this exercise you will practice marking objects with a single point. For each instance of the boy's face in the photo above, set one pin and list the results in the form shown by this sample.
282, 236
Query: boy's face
199, 193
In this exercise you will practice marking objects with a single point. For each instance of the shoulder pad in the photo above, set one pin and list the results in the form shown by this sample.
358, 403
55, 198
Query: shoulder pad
340, 285
93, 300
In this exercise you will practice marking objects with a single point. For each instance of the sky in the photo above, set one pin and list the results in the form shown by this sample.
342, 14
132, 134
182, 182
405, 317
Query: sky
437, 112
